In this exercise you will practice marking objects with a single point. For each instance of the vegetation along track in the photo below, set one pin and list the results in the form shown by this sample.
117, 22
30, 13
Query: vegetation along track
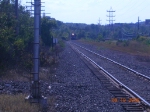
131, 99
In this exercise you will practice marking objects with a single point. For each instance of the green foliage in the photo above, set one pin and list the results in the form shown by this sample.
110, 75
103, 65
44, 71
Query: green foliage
124, 43
61, 43
148, 42
65, 34
81, 34
13, 46
99, 38
141, 39
46, 33
144, 40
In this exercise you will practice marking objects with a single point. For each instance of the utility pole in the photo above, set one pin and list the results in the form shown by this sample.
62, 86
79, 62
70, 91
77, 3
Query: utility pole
99, 23
110, 16
138, 26
35, 89
138, 23
40, 20
35, 95
16, 14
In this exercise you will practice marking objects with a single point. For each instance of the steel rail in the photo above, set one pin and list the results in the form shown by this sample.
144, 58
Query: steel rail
120, 84
129, 69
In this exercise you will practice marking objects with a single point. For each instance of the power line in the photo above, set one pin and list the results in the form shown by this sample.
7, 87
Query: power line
131, 15
127, 6
118, 4
132, 8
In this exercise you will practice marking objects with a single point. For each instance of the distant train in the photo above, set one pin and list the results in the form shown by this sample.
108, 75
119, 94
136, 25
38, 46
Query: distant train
73, 36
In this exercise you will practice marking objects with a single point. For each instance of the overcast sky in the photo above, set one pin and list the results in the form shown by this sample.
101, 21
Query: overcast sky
89, 11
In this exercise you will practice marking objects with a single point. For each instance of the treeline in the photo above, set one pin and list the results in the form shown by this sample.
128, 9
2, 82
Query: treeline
102, 32
16, 46
92, 31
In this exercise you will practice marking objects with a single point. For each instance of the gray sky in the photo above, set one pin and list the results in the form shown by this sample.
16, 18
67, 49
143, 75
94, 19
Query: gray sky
89, 11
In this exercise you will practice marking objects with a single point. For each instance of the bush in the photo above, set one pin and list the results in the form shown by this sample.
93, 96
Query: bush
61, 43
125, 43
148, 42
141, 39
118, 42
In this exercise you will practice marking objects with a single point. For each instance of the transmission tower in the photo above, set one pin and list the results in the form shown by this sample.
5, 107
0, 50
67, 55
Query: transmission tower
99, 22
110, 16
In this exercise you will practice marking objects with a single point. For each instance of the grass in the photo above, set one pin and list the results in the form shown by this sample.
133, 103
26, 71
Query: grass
133, 47
15, 75
16, 103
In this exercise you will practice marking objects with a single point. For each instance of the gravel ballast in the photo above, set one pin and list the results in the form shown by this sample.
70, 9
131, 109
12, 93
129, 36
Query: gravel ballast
138, 63
77, 89
137, 84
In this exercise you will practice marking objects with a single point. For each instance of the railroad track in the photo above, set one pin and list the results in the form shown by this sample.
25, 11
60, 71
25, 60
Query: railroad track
123, 66
128, 98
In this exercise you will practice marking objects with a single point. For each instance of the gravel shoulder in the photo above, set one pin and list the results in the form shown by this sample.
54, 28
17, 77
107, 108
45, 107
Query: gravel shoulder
76, 89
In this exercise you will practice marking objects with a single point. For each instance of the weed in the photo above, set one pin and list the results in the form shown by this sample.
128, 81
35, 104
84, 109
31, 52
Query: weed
16, 103
61, 43
135, 47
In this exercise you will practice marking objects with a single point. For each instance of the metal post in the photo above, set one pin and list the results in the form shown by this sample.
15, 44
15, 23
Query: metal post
40, 19
35, 92
16, 14
35, 95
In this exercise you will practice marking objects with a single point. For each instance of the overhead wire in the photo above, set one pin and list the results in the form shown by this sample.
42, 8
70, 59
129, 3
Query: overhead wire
132, 7
130, 2
131, 15
118, 3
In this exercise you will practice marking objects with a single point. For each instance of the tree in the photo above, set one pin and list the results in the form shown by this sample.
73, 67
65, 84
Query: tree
46, 27
14, 47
